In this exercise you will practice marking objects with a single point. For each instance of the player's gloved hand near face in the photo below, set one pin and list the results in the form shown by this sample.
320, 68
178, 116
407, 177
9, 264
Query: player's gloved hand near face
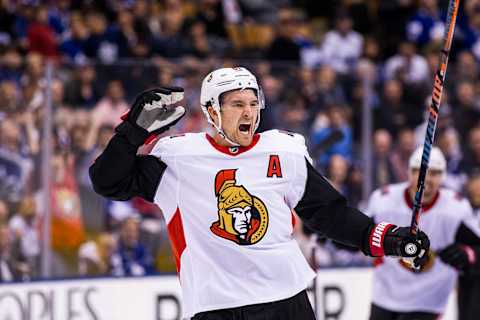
153, 112
386, 239
459, 256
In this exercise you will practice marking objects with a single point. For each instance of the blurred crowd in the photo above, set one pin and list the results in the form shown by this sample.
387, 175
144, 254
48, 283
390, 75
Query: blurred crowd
319, 63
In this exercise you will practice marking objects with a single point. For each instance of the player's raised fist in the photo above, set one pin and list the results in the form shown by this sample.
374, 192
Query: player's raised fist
390, 240
153, 112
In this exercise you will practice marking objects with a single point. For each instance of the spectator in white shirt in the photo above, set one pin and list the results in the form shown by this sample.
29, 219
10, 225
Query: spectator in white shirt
6, 266
407, 65
342, 47
24, 226
94, 257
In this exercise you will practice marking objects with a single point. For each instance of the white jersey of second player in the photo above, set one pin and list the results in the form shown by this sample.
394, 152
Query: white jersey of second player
230, 221
395, 286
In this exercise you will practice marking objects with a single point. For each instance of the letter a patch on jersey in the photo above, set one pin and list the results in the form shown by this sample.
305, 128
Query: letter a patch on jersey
242, 217
274, 168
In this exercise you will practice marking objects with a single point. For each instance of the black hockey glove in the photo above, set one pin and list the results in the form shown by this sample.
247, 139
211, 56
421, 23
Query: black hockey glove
459, 256
386, 239
153, 112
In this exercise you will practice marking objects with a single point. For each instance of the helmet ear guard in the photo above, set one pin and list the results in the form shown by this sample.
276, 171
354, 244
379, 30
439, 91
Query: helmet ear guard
224, 80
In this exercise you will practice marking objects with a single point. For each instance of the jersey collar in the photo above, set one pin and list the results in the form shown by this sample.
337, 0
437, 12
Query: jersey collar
425, 207
233, 151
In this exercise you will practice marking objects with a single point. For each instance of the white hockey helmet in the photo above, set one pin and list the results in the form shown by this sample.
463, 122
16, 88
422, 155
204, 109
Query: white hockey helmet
437, 160
224, 80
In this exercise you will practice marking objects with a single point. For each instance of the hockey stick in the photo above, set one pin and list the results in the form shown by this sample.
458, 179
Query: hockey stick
433, 110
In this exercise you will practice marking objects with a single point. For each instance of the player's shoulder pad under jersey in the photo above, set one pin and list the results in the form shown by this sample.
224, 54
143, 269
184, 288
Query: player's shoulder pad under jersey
455, 201
389, 192
376, 197
286, 140
171, 145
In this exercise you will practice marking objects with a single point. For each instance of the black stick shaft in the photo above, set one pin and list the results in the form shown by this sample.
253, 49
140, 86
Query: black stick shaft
433, 110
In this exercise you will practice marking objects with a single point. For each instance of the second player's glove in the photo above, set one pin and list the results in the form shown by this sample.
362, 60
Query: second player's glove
385, 239
459, 256
153, 112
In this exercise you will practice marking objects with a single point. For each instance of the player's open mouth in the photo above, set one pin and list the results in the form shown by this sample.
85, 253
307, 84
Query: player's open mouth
244, 128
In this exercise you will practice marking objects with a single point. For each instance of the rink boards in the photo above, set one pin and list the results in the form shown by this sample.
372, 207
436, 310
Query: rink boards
341, 294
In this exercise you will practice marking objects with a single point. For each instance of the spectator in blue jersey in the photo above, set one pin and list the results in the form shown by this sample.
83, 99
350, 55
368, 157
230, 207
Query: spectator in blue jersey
131, 257
426, 24
102, 42
73, 46
467, 32
10, 69
334, 137
59, 15
15, 166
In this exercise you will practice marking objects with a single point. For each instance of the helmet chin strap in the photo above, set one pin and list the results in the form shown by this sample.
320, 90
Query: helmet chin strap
221, 132
224, 135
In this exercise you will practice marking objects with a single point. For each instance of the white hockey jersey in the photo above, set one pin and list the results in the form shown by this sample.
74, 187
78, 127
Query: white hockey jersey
229, 216
395, 286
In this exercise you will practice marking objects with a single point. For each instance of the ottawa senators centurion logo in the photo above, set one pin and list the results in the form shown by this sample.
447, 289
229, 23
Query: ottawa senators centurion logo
242, 217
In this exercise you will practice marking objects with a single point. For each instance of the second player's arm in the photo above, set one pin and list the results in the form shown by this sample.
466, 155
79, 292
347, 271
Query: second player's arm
464, 253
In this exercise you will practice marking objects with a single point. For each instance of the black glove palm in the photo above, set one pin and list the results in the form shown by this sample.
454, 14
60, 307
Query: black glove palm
153, 112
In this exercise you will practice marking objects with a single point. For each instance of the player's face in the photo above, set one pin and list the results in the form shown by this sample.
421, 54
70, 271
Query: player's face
433, 181
241, 218
239, 112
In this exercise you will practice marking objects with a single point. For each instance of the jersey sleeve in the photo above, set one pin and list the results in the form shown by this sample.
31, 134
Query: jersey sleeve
323, 209
467, 228
166, 195
162, 148
299, 169
120, 174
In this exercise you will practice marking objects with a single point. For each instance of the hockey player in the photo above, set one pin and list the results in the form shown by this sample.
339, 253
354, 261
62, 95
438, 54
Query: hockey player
228, 201
398, 292
468, 290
